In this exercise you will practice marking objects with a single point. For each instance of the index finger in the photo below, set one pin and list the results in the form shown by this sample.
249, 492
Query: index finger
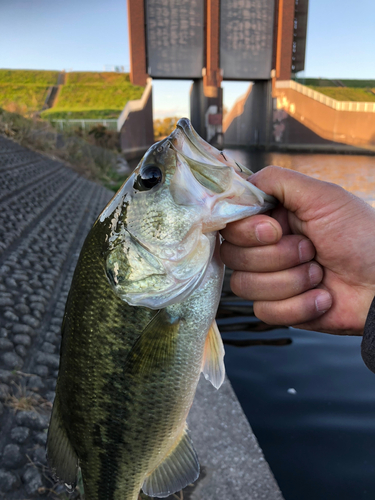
253, 231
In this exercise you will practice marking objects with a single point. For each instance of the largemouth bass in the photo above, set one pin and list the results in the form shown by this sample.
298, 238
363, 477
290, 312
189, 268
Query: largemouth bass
139, 325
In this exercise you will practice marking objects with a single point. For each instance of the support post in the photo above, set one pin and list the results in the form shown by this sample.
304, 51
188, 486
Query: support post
137, 42
212, 75
206, 95
285, 39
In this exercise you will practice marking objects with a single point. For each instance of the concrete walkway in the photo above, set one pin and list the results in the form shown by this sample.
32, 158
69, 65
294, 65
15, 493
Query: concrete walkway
46, 210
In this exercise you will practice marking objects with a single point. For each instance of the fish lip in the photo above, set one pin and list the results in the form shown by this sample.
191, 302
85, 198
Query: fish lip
184, 124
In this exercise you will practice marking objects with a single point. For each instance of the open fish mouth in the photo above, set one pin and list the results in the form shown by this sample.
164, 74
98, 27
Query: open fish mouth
163, 243
207, 151
208, 177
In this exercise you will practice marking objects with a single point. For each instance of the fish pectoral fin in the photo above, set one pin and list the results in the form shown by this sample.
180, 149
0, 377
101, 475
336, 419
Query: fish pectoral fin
213, 357
178, 469
61, 457
155, 348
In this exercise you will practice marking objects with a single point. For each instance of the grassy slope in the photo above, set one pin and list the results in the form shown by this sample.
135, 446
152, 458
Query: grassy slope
93, 100
325, 82
26, 88
88, 77
346, 93
359, 83
28, 76
81, 114
84, 95
29, 96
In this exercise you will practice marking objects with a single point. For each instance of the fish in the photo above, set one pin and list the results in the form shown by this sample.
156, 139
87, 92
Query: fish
139, 325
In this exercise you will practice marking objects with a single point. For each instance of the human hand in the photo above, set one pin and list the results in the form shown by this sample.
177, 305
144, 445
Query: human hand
312, 264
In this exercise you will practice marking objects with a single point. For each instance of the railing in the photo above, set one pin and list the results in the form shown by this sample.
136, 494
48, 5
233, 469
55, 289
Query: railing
368, 107
110, 124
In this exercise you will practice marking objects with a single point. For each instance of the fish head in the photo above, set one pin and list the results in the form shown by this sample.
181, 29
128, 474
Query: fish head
164, 219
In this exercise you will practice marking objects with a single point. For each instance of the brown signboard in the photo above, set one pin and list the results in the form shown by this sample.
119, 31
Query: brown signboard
174, 33
246, 36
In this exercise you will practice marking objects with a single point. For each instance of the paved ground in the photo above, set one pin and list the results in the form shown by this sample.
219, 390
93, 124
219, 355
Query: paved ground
46, 210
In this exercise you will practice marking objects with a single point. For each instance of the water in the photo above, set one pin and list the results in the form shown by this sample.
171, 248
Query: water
308, 396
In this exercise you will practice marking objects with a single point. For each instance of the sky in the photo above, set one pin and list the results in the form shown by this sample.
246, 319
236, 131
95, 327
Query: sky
91, 35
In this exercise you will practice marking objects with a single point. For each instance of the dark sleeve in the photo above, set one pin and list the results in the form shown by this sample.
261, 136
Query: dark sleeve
368, 341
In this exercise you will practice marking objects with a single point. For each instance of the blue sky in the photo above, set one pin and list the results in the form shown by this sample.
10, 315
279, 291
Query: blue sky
87, 35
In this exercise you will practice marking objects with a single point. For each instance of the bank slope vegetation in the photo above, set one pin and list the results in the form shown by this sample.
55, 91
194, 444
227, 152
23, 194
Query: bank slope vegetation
84, 95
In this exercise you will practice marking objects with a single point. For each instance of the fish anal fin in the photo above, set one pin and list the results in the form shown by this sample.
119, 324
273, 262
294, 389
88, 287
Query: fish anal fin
61, 456
179, 469
213, 357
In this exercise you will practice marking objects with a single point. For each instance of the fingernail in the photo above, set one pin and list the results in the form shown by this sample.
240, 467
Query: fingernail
323, 302
305, 250
265, 232
315, 274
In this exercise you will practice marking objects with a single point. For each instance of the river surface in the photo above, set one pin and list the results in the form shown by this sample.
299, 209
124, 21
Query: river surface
308, 396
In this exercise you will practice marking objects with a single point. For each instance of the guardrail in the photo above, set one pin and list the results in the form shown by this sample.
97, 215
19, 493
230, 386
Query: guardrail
368, 107
111, 124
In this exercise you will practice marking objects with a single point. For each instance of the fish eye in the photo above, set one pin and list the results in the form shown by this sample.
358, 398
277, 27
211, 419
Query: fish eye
149, 177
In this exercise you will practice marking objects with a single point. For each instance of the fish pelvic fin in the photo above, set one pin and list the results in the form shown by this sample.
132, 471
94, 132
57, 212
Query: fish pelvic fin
61, 456
178, 469
155, 348
213, 357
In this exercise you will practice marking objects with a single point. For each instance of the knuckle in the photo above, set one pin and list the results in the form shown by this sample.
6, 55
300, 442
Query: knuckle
236, 283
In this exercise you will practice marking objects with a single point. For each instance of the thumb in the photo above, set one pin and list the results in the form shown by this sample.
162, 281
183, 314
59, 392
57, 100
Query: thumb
296, 192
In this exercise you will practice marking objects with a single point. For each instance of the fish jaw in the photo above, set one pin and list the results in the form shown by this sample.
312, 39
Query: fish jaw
241, 200
219, 189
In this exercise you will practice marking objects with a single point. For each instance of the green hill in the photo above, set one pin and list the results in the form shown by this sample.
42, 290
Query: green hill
28, 76
326, 82
84, 95
359, 83
92, 100
90, 77
346, 93
23, 90
22, 98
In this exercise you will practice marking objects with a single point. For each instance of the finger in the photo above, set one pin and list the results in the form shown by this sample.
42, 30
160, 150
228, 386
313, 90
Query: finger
297, 192
255, 230
281, 214
289, 252
296, 310
278, 285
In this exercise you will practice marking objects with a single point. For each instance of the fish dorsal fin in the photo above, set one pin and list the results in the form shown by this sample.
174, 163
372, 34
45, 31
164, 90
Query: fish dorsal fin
155, 348
61, 456
177, 470
213, 357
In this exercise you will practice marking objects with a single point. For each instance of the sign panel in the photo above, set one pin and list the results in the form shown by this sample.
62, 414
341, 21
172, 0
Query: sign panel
174, 30
246, 35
